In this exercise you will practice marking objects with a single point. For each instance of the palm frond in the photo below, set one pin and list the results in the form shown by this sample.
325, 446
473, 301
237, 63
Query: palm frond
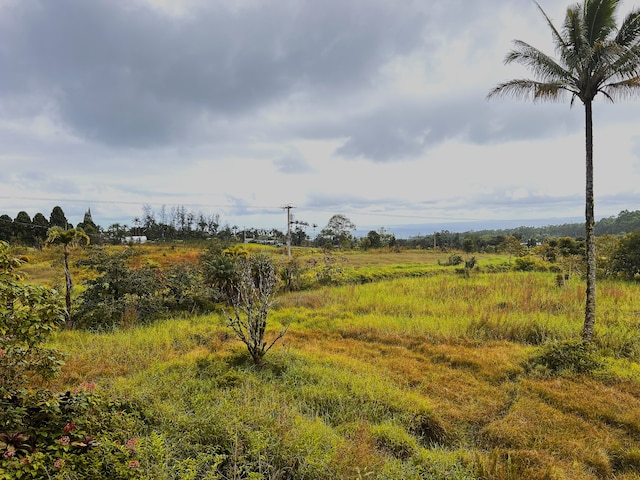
623, 89
629, 33
619, 63
578, 52
525, 89
558, 40
542, 65
590, 59
599, 19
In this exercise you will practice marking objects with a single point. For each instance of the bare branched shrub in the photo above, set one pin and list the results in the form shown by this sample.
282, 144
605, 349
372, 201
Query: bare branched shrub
252, 300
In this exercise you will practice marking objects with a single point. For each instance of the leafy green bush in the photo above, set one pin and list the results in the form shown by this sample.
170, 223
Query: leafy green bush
454, 259
219, 274
529, 264
119, 295
44, 434
626, 258
28, 316
63, 436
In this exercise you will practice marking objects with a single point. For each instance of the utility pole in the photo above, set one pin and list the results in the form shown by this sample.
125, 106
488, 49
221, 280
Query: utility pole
288, 209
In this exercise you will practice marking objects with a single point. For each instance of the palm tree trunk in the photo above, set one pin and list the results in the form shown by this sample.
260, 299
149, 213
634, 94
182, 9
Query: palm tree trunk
590, 308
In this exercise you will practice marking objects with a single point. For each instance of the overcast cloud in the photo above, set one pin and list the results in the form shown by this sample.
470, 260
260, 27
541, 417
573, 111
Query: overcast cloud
374, 109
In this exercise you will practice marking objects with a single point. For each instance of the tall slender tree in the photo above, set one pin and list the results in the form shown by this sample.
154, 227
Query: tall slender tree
594, 56
68, 239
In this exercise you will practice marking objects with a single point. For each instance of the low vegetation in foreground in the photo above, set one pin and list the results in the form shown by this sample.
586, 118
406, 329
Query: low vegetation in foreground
421, 369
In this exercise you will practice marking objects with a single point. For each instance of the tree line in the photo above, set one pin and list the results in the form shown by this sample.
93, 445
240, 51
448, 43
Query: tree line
488, 240
179, 223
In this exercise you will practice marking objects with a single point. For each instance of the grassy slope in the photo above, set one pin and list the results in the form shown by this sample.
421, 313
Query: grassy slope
402, 378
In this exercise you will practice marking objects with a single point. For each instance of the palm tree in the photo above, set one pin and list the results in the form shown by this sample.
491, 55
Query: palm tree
595, 56
68, 238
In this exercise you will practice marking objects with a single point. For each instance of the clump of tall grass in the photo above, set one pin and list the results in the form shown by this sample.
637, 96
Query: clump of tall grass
569, 356
528, 330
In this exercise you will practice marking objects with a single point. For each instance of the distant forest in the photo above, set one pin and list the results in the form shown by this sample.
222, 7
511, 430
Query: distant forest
178, 223
626, 222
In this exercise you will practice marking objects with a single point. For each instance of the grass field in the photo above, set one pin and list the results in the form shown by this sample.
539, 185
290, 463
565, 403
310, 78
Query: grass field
419, 372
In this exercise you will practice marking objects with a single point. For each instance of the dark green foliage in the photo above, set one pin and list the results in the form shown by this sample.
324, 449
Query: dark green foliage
337, 233
43, 434
73, 435
125, 296
374, 239
89, 227
219, 273
568, 356
28, 316
626, 258
58, 219
119, 295
183, 289
41, 225
23, 229
524, 264
453, 259
6, 228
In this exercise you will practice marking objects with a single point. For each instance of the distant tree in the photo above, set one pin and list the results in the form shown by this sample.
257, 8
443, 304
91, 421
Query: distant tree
627, 222
595, 57
116, 232
338, 231
606, 246
512, 246
6, 228
68, 239
626, 258
58, 219
571, 256
446, 239
87, 224
298, 234
469, 244
23, 229
374, 239
41, 225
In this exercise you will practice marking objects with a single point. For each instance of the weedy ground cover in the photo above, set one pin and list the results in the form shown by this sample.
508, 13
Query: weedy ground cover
411, 377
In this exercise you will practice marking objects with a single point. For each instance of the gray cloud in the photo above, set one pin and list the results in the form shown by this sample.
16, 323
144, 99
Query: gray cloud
140, 78
402, 131
125, 101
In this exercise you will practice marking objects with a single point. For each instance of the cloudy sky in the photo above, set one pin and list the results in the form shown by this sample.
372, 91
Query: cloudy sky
375, 109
